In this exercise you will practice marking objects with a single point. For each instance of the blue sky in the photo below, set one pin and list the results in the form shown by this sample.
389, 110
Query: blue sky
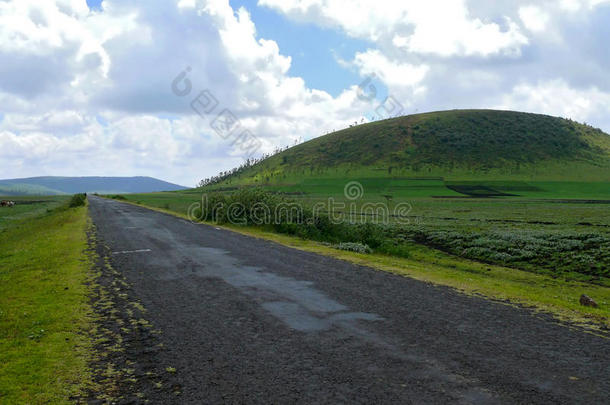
94, 4
301, 41
95, 80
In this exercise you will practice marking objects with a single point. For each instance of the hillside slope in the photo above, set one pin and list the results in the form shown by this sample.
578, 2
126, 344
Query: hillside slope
458, 145
72, 185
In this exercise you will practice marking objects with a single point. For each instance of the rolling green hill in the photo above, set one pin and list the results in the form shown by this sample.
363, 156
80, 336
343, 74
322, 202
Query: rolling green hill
456, 145
458, 152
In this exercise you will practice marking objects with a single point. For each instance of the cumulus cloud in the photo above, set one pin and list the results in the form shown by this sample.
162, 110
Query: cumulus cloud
575, 5
534, 18
556, 97
439, 27
393, 73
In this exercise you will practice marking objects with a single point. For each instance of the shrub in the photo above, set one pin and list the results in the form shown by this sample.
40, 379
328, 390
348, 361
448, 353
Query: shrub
553, 252
394, 248
368, 234
77, 200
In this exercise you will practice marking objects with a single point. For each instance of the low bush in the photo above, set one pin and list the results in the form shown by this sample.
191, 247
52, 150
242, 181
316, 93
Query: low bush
394, 248
551, 252
283, 215
77, 200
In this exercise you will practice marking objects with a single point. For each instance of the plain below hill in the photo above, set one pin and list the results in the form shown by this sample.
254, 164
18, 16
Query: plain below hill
73, 185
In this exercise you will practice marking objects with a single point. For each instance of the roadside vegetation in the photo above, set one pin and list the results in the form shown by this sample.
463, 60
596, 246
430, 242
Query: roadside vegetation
280, 214
78, 200
44, 304
556, 296
571, 255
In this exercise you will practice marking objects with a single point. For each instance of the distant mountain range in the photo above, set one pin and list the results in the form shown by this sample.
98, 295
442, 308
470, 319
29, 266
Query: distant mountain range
73, 185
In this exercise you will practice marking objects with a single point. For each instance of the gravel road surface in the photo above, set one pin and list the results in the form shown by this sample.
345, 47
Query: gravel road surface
245, 320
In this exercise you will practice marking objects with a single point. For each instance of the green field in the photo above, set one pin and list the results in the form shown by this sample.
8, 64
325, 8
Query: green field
44, 304
27, 207
556, 228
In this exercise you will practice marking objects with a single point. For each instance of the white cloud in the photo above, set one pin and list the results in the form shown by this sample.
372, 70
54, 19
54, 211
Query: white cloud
59, 122
403, 80
576, 5
392, 73
534, 18
556, 97
439, 27
61, 40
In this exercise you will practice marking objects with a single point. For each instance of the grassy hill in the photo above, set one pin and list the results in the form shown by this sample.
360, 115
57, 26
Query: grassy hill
73, 185
459, 148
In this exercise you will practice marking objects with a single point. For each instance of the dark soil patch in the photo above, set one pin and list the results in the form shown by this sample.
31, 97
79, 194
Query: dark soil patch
478, 191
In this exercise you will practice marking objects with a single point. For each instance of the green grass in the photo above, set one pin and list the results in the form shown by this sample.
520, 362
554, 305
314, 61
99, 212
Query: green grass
27, 207
405, 188
576, 250
44, 304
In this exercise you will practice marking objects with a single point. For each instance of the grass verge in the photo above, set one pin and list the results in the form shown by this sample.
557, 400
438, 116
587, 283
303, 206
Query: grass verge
558, 297
44, 308
555, 296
